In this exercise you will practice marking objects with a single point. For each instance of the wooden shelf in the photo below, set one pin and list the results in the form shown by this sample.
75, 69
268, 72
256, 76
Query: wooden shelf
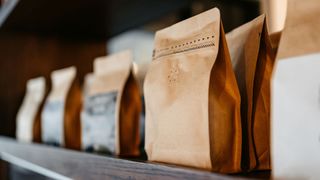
79, 165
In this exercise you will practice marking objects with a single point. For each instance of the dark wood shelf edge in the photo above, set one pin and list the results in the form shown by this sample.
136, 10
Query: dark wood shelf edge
79, 165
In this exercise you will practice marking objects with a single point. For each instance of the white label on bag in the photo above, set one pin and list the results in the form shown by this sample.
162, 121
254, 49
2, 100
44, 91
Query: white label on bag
53, 123
98, 122
295, 128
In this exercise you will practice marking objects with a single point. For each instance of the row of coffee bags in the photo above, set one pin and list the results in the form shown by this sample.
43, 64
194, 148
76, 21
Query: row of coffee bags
103, 118
207, 94
204, 107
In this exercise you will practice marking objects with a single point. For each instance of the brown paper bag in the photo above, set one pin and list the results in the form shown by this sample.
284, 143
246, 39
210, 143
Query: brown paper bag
295, 134
275, 40
140, 71
252, 58
110, 118
28, 118
192, 98
61, 114
37, 122
301, 26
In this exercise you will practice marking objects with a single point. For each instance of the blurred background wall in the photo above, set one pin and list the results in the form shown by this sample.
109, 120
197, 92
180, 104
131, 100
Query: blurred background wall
37, 37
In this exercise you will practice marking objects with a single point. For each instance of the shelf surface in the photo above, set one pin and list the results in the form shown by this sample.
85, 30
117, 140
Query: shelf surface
65, 164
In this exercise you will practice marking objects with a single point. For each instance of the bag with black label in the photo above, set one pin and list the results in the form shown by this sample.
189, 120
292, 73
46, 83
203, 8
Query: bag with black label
110, 116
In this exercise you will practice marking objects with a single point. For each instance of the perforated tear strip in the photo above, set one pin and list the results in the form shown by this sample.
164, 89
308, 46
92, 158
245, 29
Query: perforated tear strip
197, 43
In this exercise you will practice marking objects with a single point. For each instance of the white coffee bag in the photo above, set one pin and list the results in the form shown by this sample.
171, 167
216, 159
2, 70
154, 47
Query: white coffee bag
29, 109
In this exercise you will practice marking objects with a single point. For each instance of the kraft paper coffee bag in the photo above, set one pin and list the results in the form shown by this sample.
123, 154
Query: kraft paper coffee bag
110, 116
295, 134
252, 58
61, 113
28, 118
140, 71
192, 98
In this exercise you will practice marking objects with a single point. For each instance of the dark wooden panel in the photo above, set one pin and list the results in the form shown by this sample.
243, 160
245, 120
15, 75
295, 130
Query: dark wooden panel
79, 165
85, 18
24, 56
233, 12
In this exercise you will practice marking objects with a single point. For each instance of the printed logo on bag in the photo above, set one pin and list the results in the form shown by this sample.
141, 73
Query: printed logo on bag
174, 74
101, 104
98, 121
53, 122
